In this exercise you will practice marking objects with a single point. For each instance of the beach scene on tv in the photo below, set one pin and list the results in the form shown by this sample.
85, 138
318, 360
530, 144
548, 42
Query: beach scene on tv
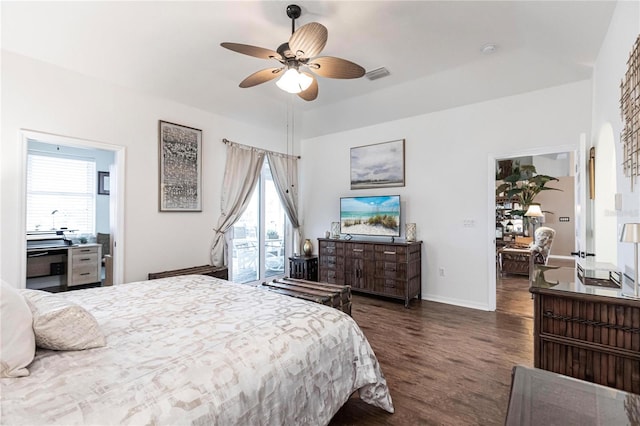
370, 215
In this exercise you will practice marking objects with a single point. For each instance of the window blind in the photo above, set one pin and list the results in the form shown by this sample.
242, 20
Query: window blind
61, 193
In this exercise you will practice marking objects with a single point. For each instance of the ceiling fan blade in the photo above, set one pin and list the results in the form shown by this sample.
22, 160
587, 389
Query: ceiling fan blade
260, 77
255, 51
328, 66
312, 91
308, 40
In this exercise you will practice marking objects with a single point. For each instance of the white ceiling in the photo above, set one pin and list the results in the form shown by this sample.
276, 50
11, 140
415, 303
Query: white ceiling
172, 49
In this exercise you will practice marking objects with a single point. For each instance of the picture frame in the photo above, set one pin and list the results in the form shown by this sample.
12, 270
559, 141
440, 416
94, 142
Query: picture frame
180, 168
104, 183
379, 165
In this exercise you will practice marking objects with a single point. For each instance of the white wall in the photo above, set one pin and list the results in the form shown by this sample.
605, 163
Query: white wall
446, 177
560, 204
609, 70
45, 98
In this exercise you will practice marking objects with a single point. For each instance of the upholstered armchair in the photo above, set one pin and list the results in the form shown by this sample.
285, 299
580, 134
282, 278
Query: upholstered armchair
520, 260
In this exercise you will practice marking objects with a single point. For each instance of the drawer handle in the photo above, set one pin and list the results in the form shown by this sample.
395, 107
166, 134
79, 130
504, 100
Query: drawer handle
389, 252
85, 258
358, 250
85, 250
86, 273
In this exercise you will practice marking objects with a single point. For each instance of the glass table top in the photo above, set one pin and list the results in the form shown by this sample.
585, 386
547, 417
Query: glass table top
540, 397
599, 282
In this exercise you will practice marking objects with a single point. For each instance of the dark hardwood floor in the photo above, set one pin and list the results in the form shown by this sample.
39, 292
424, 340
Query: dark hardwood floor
445, 365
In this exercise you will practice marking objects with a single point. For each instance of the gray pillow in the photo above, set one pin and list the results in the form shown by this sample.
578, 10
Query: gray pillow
62, 325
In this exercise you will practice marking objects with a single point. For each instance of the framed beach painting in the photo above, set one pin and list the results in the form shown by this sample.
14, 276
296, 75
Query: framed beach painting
180, 168
379, 165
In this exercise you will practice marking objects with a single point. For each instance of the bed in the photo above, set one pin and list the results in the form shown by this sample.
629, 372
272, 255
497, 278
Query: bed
199, 350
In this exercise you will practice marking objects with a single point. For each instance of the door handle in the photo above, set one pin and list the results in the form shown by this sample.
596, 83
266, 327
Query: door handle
591, 254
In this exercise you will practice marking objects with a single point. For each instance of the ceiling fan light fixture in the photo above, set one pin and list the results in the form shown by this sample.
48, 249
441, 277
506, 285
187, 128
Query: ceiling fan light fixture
293, 81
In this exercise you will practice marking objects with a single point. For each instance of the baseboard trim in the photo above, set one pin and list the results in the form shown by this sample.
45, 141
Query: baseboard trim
555, 256
456, 302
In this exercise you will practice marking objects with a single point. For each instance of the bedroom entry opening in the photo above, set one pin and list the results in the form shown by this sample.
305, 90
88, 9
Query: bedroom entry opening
71, 210
260, 238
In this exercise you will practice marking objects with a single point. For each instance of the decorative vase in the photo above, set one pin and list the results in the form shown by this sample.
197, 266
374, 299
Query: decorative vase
410, 232
335, 229
307, 248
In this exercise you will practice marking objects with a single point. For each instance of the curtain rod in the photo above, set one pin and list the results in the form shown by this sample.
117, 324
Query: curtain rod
228, 142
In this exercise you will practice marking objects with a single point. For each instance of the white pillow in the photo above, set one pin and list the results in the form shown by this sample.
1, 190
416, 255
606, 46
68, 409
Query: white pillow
62, 325
17, 342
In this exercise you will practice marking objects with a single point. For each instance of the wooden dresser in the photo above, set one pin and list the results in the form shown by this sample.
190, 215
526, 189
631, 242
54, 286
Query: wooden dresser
385, 269
589, 332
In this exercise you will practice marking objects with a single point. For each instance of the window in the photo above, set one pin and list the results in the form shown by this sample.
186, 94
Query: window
60, 193
258, 239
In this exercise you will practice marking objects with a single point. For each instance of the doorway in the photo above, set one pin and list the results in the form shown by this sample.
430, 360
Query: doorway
259, 240
540, 155
109, 200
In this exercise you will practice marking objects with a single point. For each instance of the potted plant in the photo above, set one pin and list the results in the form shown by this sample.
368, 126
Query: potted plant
524, 184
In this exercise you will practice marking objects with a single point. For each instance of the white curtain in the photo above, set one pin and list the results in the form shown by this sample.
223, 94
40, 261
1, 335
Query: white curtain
241, 174
284, 170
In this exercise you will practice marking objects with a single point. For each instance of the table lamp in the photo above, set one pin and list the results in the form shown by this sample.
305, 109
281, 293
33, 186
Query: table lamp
631, 234
534, 212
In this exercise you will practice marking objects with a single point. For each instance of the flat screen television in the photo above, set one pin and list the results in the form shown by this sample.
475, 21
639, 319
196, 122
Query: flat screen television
373, 216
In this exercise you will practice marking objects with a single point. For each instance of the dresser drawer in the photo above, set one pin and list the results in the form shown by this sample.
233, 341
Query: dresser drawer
85, 259
389, 286
84, 250
84, 274
390, 253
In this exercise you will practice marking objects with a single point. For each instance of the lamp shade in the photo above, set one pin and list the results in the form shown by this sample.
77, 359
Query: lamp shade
534, 211
293, 81
630, 233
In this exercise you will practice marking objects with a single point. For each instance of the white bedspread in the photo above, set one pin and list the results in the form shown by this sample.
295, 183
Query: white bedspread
198, 350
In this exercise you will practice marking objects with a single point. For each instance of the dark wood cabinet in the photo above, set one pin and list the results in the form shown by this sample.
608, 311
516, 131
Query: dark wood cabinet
304, 267
385, 269
586, 332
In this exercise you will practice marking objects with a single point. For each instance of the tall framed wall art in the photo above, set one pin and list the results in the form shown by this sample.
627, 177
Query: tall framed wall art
180, 155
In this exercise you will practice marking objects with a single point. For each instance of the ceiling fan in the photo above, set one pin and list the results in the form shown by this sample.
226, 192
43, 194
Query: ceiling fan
299, 61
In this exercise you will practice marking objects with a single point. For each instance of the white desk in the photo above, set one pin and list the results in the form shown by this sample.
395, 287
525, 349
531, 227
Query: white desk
80, 263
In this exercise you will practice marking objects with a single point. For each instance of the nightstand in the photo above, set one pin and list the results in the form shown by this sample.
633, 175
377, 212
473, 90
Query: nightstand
304, 267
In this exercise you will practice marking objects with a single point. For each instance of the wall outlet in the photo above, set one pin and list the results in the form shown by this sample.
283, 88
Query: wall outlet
441, 272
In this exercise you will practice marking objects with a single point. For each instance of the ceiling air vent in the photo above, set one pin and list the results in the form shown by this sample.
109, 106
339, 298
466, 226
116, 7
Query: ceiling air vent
377, 73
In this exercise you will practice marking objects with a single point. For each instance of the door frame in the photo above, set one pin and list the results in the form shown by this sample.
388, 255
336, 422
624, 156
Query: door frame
491, 203
116, 198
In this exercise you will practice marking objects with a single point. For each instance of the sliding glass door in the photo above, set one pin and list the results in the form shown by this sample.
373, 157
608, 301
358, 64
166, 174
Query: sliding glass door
259, 238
